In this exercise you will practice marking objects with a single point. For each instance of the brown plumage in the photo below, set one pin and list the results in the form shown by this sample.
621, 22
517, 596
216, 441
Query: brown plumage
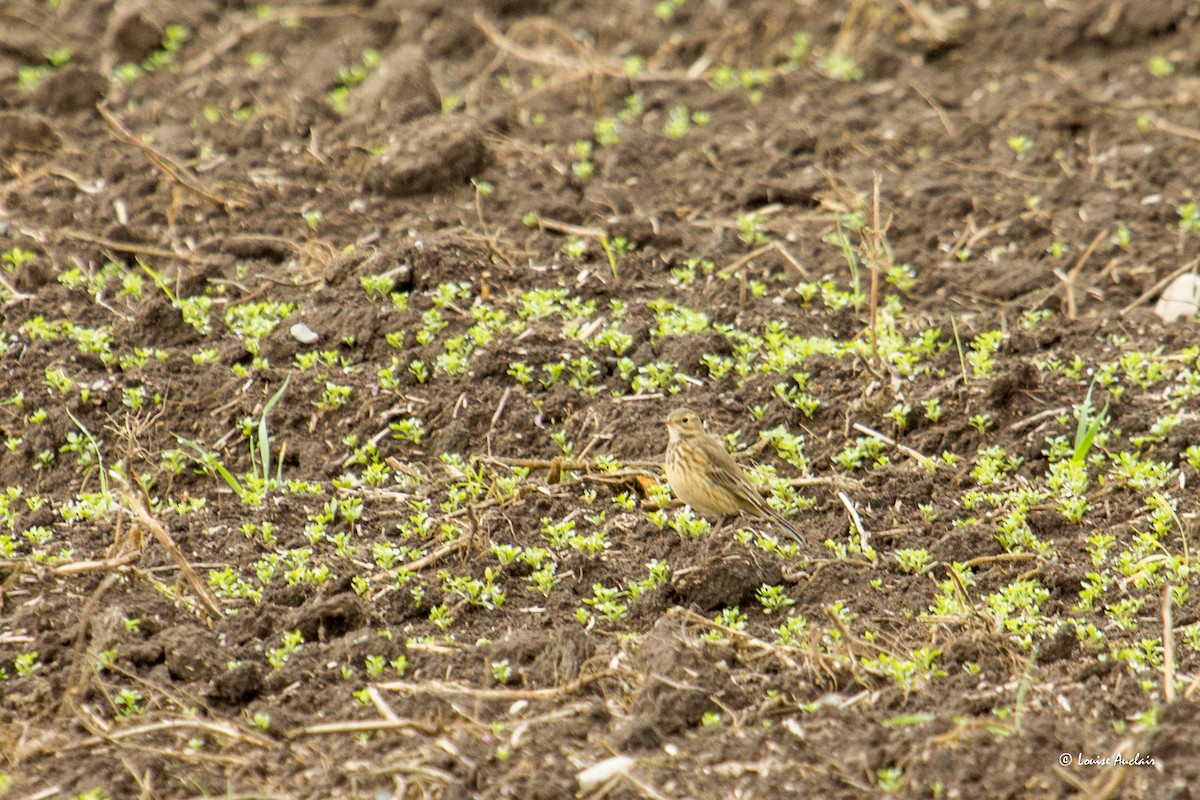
703, 474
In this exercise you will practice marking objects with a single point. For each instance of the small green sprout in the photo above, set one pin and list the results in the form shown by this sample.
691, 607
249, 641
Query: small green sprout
665, 9
752, 229
1189, 217
1160, 66
981, 422
800, 48
501, 671
409, 429
1090, 425
890, 780
377, 287
582, 168
278, 656
128, 702
914, 560
28, 77
575, 247
607, 131
26, 664
1019, 144
441, 616
374, 665
679, 122
773, 598
840, 67
13, 258
898, 414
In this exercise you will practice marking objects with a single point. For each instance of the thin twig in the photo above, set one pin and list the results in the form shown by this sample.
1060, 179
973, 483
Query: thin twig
501, 406
364, 726
832, 480
873, 300
908, 451
766, 248
1037, 418
633, 398
74, 687
1168, 646
999, 559
569, 466
167, 165
937, 109
855, 520
1069, 279
448, 689
164, 538
382, 706
965, 597
645, 788
77, 567
218, 728
546, 223
1175, 130
610, 67
424, 561
1158, 287
136, 248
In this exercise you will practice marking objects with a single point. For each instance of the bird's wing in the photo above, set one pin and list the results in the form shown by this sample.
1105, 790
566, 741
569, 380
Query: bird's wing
727, 475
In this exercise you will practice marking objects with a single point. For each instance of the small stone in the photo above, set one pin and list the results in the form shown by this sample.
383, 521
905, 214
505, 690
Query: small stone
1180, 299
304, 334
602, 772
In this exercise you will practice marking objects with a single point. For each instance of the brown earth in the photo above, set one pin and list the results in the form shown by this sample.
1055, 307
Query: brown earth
232, 168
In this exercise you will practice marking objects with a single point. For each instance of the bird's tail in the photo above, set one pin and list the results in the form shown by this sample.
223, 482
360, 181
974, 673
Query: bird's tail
785, 525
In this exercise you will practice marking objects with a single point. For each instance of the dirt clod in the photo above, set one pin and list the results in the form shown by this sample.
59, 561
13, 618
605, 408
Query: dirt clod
401, 89
237, 686
29, 133
427, 156
69, 90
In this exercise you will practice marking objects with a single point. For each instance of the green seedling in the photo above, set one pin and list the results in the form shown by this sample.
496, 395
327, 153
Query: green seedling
1160, 66
260, 457
12, 259
840, 68
1090, 425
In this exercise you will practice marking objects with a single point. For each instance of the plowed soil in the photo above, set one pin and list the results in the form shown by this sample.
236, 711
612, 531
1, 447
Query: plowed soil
457, 261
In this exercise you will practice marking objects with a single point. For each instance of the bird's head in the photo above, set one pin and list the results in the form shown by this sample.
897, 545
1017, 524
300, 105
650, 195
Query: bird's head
683, 423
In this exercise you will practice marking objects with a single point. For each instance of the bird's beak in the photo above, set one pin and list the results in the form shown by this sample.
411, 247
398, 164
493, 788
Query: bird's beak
667, 422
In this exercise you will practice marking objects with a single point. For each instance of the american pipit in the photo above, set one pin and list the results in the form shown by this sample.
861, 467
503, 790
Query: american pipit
703, 474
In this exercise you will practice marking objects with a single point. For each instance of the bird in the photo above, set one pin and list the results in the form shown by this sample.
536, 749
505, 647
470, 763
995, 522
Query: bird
702, 473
